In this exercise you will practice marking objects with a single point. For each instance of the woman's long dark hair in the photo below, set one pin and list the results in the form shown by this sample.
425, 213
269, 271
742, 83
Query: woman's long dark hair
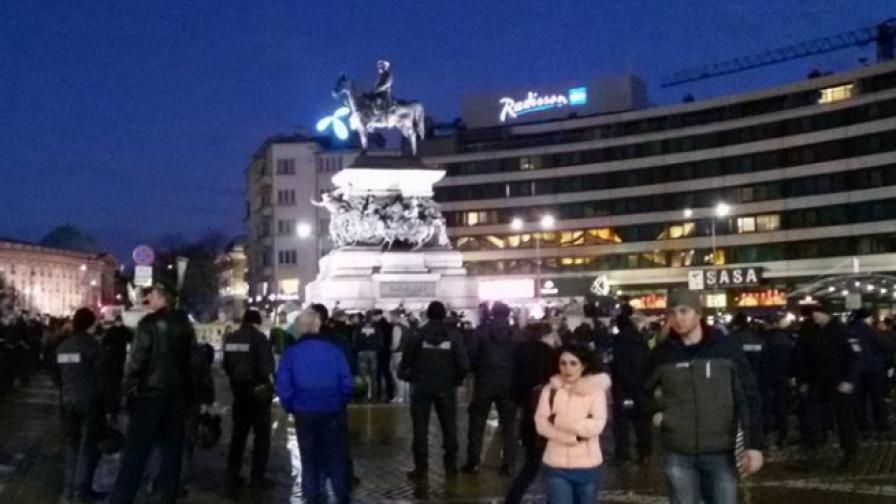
588, 358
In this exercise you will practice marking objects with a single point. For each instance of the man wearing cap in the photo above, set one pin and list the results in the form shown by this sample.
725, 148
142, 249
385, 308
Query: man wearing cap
165, 373
871, 387
708, 395
249, 363
826, 365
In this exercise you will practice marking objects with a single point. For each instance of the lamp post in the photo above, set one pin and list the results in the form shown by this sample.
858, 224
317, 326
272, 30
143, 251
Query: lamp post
546, 222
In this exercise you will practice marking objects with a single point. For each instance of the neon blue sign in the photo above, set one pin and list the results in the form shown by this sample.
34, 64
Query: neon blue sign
533, 102
578, 96
335, 120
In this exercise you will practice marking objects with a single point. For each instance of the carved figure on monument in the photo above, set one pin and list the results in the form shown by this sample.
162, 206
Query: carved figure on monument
369, 112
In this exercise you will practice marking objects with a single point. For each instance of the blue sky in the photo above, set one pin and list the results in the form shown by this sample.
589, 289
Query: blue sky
135, 119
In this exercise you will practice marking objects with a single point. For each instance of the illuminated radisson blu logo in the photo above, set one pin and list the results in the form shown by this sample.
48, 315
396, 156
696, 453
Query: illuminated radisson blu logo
511, 109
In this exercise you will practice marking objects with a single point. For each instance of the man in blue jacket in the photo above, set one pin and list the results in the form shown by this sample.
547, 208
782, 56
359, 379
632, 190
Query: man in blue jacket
315, 385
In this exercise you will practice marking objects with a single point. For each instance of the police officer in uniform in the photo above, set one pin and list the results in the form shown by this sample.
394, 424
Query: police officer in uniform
81, 359
249, 363
755, 348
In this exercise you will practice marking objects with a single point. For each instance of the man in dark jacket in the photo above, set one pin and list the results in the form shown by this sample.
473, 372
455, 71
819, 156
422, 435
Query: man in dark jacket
756, 350
871, 387
826, 365
708, 395
314, 385
629, 372
491, 359
369, 342
435, 363
163, 376
780, 342
116, 341
249, 363
81, 366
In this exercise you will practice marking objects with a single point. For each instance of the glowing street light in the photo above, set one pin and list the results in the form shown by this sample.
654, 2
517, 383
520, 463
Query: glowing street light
303, 230
688, 213
547, 221
516, 224
723, 209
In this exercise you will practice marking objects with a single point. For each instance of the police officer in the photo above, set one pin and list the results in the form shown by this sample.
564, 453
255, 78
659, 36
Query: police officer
826, 365
81, 360
871, 389
780, 341
249, 363
162, 378
756, 350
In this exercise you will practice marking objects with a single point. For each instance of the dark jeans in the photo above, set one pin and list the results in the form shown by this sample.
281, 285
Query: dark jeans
818, 405
479, 409
368, 367
249, 414
711, 477
445, 403
323, 450
385, 373
872, 391
533, 451
781, 410
159, 419
639, 419
114, 393
82, 431
572, 490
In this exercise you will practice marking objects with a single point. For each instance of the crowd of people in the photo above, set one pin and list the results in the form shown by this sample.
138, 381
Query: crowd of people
713, 395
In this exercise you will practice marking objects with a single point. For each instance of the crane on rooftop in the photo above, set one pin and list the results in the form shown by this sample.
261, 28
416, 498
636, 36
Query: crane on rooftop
882, 34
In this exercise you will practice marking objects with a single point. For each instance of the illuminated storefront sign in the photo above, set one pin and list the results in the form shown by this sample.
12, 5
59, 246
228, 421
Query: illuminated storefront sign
533, 102
335, 121
771, 297
723, 278
548, 288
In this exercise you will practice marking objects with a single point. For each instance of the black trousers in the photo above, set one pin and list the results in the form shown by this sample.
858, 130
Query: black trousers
871, 391
623, 420
533, 450
82, 431
384, 373
322, 446
159, 419
249, 415
479, 410
781, 410
820, 403
445, 403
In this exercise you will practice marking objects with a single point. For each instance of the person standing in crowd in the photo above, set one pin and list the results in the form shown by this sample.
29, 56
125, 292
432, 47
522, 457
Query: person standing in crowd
162, 374
401, 333
754, 347
315, 385
249, 363
826, 365
116, 341
571, 414
871, 385
708, 395
780, 341
368, 345
888, 339
533, 365
384, 356
629, 372
491, 358
435, 363
82, 364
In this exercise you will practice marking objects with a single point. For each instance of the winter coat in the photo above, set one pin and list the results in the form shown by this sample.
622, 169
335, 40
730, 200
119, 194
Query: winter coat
248, 358
708, 391
81, 361
369, 338
492, 355
573, 422
873, 359
630, 360
314, 377
534, 361
825, 356
434, 359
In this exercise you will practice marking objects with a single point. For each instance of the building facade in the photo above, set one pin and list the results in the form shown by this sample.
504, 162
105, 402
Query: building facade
285, 234
789, 182
233, 290
56, 282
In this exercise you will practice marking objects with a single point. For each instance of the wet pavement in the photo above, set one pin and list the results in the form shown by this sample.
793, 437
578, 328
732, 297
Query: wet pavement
31, 456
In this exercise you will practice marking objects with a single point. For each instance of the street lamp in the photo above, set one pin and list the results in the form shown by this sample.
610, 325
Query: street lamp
546, 222
516, 224
722, 210
303, 230
688, 213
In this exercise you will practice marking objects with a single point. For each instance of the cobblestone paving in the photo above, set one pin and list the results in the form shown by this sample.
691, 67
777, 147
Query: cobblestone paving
31, 464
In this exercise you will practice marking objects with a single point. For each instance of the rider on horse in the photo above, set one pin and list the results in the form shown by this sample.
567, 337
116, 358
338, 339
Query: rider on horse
381, 97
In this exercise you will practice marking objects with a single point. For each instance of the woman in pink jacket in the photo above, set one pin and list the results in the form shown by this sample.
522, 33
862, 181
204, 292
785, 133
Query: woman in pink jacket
571, 414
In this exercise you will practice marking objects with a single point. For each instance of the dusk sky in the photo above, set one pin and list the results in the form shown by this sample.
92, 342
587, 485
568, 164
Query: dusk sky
136, 119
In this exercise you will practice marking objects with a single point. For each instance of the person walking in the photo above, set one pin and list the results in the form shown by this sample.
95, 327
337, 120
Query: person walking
629, 372
249, 363
709, 394
571, 414
81, 361
435, 363
314, 384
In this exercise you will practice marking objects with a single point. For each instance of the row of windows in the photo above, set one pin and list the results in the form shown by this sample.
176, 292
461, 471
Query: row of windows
865, 178
732, 165
500, 138
286, 167
806, 249
287, 257
835, 215
329, 164
774, 130
286, 227
286, 197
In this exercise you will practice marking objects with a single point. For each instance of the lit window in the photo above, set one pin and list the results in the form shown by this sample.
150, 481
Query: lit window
835, 94
682, 230
770, 222
495, 241
472, 218
746, 224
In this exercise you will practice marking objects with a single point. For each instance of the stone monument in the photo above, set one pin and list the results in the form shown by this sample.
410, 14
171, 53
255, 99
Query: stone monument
391, 244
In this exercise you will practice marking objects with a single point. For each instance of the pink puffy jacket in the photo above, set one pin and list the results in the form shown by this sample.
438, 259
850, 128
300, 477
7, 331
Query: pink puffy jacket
580, 413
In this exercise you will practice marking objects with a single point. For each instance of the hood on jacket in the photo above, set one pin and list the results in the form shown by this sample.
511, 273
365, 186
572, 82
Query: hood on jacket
587, 385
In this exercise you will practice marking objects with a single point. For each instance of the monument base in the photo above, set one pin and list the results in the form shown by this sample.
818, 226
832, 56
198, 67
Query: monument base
359, 279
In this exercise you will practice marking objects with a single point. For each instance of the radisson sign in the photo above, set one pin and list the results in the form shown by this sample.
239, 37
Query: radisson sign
533, 102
